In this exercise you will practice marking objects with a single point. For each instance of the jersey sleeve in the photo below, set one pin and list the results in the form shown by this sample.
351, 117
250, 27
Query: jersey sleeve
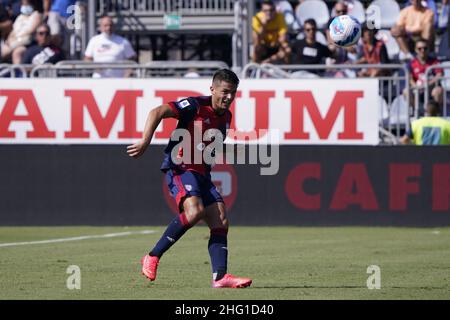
185, 109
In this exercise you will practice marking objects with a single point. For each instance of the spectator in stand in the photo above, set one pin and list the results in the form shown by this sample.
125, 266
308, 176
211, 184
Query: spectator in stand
415, 21
5, 23
429, 130
417, 68
373, 51
270, 44
308, 50
58, 12
43, 51
22, 33
109, 47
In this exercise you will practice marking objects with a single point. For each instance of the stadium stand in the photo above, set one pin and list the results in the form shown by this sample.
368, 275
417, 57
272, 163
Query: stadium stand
386, 11
313, 9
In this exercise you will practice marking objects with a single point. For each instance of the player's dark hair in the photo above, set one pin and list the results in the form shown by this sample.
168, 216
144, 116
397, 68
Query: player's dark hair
226, 75
310, 21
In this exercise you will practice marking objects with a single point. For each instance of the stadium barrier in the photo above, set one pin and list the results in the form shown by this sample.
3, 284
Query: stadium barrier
315, 186
113, 111
85, 69
444, 83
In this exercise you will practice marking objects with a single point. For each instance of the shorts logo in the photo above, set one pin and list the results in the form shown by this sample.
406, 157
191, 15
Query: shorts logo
188, 187
183, 104
207, 121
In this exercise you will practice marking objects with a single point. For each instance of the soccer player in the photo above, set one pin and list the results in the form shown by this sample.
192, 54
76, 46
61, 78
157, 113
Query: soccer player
189, 182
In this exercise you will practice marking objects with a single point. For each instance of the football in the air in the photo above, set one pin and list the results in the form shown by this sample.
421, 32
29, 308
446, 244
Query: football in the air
345, 30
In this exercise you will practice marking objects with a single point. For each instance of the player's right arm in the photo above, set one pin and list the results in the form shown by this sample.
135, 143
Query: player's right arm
153, 119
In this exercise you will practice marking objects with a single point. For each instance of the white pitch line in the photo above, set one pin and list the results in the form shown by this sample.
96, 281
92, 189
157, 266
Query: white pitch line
107, 235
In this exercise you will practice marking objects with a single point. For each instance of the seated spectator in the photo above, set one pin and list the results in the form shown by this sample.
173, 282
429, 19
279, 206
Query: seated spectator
415, 21
43, 51
308, 50
109, 47
5, 23
429, 130
417, 68
22, 33
58, 13
373, 51
270, 43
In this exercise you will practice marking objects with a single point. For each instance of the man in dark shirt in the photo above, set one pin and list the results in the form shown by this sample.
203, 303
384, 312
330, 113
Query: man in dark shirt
308, 50
43, 51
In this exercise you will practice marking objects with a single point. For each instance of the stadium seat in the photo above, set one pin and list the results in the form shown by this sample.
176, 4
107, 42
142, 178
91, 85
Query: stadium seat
286, 9
315, 9
446, 81
355, 9
389, 41
399, 112
386, 11
383, 111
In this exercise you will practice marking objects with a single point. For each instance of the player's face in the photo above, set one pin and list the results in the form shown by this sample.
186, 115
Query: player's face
223, 94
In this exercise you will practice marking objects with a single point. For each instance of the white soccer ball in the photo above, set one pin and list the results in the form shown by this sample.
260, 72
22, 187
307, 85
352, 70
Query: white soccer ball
345, 30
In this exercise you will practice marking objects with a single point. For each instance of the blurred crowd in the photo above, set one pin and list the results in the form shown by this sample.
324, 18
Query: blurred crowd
412, 32
35, 32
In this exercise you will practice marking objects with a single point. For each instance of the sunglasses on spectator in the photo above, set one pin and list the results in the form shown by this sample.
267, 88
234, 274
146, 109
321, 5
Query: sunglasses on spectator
340, 11
421, 48
310, 29
43, 33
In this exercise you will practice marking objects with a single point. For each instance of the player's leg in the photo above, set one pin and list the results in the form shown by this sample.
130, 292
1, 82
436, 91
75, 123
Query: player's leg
185, 189
400, 36
217, 222
216, 219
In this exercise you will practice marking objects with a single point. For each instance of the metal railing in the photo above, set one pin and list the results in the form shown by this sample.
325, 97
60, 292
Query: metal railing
14, 70
393, 122
162, 6
84, 69
444, 82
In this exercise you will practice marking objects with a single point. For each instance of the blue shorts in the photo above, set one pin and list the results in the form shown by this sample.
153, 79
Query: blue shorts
183, 184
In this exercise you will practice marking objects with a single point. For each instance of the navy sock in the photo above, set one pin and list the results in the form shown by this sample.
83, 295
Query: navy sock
174, 231
218, 251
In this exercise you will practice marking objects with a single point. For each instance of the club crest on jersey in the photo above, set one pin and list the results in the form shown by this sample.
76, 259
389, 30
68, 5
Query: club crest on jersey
183, 104
188, 187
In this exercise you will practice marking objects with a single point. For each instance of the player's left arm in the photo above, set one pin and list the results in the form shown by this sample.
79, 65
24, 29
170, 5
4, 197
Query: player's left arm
153, 119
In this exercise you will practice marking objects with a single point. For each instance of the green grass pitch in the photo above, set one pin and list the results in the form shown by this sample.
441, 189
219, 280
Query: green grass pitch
284, 262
